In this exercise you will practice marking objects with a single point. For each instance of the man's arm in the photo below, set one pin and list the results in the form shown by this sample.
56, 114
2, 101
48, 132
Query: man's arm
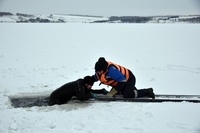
116, 75
101, 91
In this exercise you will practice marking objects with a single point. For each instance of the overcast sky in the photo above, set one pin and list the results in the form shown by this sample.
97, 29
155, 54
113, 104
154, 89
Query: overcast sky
103, 7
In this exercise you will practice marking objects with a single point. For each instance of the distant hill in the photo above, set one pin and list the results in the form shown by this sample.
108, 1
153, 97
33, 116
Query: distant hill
5, 13
7, 17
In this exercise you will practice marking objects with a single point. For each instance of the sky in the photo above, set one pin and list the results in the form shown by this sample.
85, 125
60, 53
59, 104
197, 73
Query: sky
103, 7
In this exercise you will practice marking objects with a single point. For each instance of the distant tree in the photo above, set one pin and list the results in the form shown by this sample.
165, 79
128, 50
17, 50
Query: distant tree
5, 13
191, 20
130, 19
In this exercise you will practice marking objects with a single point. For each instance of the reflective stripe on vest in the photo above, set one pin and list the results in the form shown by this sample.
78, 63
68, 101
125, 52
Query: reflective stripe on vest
111, 82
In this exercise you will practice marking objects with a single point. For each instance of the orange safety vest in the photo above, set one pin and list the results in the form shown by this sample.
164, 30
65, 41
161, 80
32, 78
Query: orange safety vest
112, 82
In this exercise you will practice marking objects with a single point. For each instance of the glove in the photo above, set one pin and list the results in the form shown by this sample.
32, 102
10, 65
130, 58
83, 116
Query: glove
104, 91
112, 92
93, 95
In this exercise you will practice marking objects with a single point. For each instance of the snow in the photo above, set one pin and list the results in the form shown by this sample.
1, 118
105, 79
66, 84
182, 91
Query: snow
38, 58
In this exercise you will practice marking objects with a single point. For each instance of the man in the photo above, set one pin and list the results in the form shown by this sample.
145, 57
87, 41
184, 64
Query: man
120, 79
80, 88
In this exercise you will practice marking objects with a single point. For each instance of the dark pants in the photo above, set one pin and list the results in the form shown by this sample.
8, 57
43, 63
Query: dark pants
129, 88
130, 91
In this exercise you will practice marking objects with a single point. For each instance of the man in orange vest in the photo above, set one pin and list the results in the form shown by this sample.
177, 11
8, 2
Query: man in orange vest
120, 79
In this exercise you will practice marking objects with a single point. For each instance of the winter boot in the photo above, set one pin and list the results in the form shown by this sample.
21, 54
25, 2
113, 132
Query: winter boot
146, 93
151, 93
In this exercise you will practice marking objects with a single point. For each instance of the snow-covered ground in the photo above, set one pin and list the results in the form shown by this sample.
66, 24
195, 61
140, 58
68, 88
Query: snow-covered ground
38, 58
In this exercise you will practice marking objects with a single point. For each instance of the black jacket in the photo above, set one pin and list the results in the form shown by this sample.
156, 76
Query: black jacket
67, 91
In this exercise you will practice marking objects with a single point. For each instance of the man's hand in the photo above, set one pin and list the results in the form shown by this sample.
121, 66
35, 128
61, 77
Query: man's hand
93, 95
104, 91
112, 92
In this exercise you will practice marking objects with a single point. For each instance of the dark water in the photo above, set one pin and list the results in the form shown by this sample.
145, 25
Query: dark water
29, 102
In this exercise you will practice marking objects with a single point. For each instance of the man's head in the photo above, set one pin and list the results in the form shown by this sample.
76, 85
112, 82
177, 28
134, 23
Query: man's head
88, 81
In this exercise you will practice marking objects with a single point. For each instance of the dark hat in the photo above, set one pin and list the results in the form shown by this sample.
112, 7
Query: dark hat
101, 64
98, 66
88, 80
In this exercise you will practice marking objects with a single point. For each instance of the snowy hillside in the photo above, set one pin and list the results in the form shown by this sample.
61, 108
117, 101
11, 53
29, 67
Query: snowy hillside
50, 18
70, 18
38, 58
